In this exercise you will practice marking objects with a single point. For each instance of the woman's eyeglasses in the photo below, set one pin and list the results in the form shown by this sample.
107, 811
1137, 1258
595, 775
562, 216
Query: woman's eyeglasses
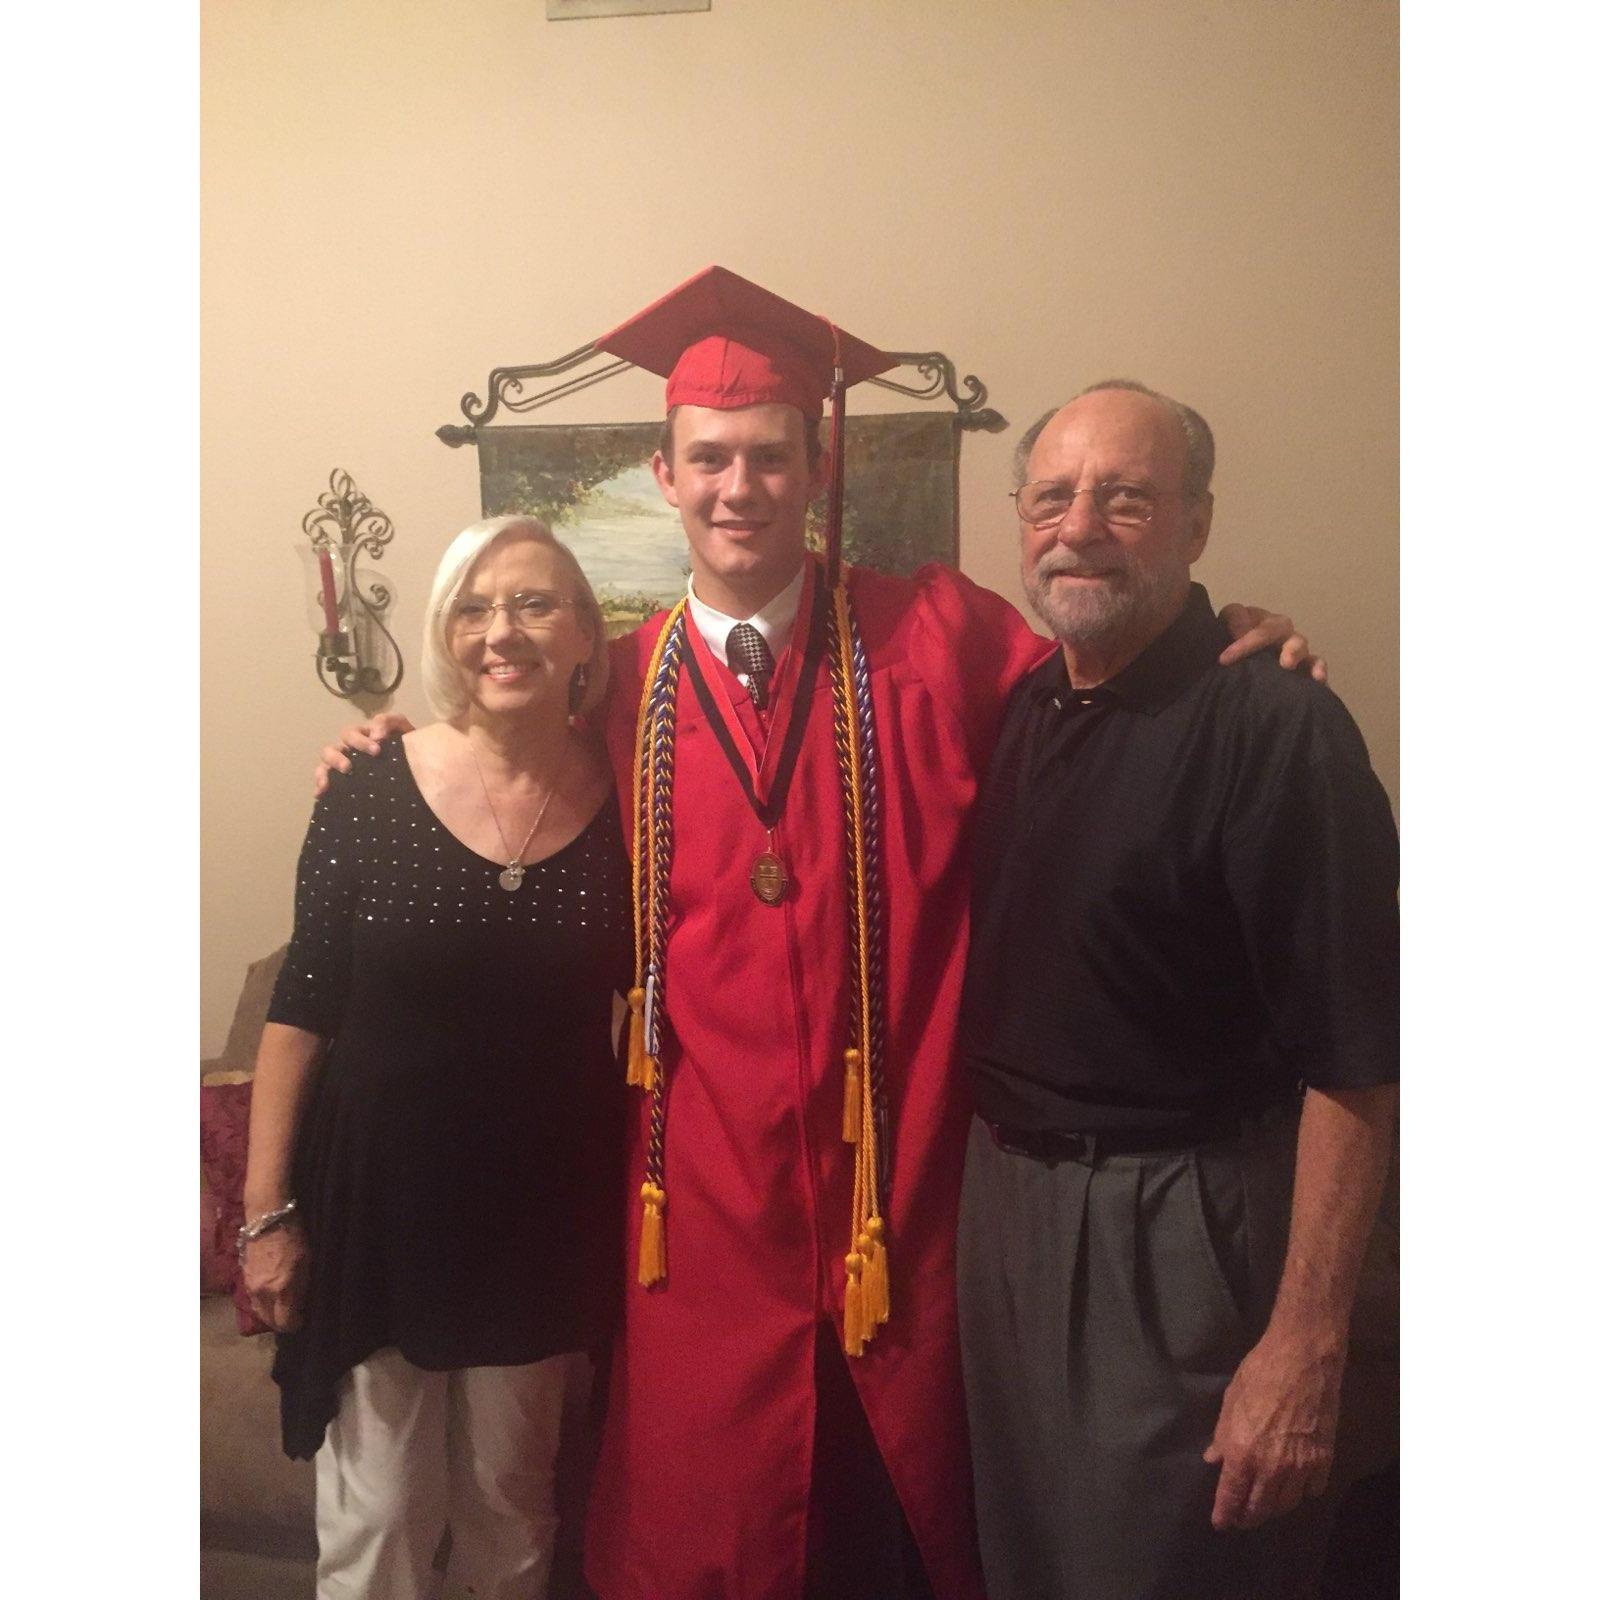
531, 610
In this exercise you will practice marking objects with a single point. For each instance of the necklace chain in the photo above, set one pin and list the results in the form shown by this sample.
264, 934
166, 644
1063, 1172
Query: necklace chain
511, 878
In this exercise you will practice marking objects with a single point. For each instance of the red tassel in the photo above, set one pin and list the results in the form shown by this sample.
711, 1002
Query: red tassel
835, 524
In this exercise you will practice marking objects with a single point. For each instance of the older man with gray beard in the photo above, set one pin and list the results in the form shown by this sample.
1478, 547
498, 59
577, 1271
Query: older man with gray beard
1181, 1027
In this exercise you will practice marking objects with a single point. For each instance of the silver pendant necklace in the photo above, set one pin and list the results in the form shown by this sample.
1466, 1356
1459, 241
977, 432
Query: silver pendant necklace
511, 878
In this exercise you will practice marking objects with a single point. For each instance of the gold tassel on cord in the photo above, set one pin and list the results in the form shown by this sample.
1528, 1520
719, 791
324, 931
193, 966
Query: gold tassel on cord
852, 1096
636, 1055
652, 1235
855, 1335
866, 1301
869, 1305
874, 1275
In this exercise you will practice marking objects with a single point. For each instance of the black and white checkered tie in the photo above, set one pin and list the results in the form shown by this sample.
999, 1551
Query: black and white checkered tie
751, 661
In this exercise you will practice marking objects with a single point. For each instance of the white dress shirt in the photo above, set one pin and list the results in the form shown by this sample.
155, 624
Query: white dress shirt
774, 621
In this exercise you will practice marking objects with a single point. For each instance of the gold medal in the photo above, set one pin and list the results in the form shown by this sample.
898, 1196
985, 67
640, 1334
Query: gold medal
768, 879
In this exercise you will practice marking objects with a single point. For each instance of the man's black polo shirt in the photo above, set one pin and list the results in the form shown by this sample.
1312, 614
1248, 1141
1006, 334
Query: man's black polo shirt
1184, 895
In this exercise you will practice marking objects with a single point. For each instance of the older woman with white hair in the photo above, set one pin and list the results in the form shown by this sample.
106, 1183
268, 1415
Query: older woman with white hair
431, 1197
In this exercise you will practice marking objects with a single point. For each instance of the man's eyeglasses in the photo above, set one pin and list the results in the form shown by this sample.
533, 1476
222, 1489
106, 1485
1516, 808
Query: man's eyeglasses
531, 610
1050, 499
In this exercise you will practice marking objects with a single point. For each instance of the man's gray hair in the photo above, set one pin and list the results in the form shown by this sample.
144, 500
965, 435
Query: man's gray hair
1200, 449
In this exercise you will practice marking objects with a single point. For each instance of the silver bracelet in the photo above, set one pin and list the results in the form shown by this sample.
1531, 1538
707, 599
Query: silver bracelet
264, 1224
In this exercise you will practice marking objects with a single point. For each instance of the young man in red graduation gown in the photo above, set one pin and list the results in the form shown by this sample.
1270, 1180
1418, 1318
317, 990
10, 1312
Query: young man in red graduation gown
731, 1367
746, 1455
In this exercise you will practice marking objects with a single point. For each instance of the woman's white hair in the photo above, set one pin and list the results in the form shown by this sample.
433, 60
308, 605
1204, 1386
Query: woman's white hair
441, 677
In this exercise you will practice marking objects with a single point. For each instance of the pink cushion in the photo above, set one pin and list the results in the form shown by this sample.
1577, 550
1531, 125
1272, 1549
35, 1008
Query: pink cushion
218, 1264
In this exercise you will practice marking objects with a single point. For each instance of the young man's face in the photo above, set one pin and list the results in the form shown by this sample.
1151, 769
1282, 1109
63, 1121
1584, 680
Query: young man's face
741, 482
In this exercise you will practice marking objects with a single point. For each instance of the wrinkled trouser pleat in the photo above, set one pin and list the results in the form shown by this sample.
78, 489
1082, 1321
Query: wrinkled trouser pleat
411, 1451
1105, 1305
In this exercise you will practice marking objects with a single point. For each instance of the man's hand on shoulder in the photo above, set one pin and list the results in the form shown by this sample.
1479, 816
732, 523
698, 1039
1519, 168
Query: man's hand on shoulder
366, 737
1254, 629
1274, 1436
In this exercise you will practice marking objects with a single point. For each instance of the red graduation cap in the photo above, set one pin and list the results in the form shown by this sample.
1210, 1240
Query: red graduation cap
724, 342
721, 341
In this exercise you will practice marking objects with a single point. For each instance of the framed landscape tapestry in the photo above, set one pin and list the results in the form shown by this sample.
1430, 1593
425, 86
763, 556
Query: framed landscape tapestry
591, 482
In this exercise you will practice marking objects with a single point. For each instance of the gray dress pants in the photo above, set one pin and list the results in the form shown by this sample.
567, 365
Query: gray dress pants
1105, 1304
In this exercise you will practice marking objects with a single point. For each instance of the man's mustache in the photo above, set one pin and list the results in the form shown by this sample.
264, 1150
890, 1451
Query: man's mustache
1069, 563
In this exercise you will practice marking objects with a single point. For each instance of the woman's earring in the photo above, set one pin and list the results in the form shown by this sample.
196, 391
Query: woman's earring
578, 687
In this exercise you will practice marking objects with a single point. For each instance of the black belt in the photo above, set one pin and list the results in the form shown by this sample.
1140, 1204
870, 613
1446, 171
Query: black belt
1062, 1144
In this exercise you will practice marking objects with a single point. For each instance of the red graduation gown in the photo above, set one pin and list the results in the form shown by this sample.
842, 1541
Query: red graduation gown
701, 1490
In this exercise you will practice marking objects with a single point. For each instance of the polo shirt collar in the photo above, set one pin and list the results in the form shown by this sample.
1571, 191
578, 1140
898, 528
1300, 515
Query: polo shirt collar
1158, 674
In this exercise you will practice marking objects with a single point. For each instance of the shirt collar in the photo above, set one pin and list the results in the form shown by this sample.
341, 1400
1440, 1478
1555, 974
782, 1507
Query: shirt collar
1159, 673
774, 621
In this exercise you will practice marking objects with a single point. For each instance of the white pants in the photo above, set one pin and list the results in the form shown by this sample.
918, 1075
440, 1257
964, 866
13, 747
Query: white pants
411, 1451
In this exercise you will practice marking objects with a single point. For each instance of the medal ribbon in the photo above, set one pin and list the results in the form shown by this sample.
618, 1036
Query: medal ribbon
767, 811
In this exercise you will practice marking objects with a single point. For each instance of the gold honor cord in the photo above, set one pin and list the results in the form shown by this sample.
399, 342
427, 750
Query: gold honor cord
866, 1306
866, 1293
652, 861
642, 1069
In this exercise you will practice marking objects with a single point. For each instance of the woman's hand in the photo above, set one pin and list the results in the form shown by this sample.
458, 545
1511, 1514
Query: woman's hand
274, 1268
366, 737
1254, 629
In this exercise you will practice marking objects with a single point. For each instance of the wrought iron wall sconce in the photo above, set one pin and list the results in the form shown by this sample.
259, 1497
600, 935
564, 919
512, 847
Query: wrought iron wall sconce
936, 374
355, 650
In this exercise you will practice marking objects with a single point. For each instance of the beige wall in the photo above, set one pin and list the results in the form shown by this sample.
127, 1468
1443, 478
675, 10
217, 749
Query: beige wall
399, 194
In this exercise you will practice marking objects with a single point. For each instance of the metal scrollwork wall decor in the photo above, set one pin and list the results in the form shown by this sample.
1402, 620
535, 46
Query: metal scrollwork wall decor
356, 653
936, 371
